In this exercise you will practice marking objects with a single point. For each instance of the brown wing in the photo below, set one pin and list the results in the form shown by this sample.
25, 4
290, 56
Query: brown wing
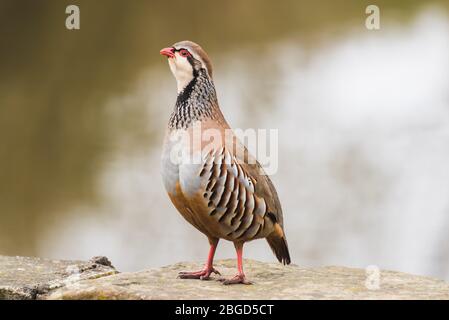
264, 189
240, 199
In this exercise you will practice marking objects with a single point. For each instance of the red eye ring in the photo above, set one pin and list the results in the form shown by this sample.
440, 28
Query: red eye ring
184, 53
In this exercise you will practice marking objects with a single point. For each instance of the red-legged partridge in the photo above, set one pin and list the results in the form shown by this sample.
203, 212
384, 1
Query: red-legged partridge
209, 175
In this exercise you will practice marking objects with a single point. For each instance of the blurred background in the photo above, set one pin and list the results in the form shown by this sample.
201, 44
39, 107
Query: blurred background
363, 119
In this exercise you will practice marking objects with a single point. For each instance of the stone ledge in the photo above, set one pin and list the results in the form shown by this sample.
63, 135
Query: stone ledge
24, 278
46, 279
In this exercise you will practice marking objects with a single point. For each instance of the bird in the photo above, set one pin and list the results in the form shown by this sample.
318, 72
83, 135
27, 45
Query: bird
215, 183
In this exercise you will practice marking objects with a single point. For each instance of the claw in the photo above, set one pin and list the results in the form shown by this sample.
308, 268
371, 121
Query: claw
237, 279
202, 274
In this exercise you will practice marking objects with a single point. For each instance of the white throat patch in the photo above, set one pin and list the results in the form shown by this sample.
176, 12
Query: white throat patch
182, 70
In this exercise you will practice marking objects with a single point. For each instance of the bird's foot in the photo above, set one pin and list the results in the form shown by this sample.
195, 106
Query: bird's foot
202, 275
237, 279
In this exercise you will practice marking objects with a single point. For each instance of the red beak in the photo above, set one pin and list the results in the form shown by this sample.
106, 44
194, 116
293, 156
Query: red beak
169, 52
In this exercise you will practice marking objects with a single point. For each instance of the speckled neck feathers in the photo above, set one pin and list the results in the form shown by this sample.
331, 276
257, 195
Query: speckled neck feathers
197, 101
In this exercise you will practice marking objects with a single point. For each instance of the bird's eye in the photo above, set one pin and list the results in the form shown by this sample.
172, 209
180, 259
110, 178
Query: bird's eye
184, 53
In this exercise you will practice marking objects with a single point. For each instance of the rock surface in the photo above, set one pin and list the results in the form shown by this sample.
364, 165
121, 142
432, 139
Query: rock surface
24, 278
50, 280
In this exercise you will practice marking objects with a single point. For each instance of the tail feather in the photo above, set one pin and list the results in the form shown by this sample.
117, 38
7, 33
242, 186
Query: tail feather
280, 248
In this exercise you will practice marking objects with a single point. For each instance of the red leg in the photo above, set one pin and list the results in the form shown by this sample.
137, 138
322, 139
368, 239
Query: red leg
208, 268
240, 277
